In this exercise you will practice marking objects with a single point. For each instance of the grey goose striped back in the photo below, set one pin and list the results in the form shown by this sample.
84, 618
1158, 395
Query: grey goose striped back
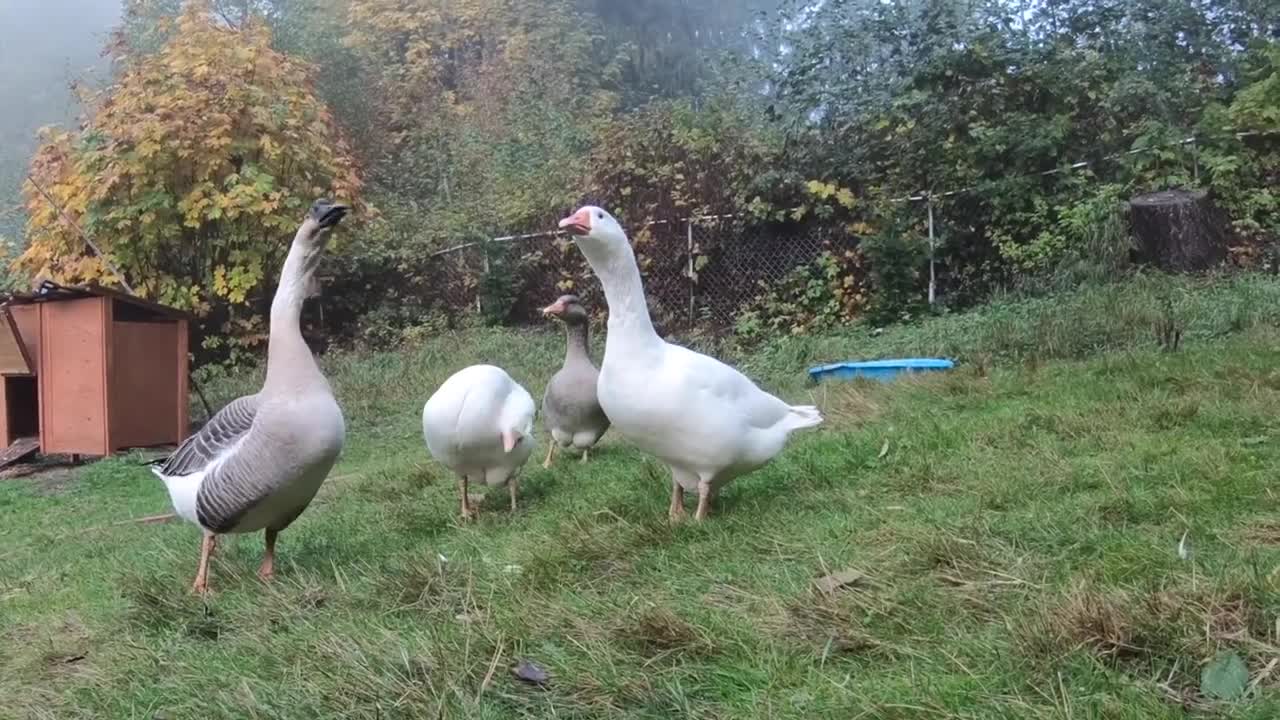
222, 432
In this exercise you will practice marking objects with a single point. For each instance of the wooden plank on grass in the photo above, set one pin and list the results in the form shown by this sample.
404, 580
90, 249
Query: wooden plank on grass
20, 449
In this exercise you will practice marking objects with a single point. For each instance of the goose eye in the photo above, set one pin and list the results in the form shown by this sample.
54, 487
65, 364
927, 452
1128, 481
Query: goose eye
600, 215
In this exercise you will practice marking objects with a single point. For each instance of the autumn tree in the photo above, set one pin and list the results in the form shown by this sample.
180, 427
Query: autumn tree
190, 173
485, 105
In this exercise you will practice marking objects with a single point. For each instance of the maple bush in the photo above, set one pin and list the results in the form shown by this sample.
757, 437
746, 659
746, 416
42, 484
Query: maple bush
484, 105
190, 173
671, 159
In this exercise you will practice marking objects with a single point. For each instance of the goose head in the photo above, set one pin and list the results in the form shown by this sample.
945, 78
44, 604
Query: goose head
515, 421
595, 229
321, 219
310, 240
568, 309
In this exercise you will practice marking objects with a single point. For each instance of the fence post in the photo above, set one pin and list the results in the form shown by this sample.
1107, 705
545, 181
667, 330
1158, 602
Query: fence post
932, 243
1195, 162
692, 278
484, 269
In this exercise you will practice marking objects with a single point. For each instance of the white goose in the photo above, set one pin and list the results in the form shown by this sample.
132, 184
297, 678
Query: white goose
259, 461
704, 419
479, 424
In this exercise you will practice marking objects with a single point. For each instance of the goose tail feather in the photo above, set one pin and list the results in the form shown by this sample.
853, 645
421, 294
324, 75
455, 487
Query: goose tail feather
802, 416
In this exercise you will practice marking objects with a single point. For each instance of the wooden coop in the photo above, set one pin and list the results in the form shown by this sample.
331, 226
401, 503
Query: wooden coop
90, 371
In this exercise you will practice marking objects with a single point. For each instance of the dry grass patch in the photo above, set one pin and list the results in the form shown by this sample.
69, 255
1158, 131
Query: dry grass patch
1260, 532
849, 405
827, 627
656, 632
1165, 636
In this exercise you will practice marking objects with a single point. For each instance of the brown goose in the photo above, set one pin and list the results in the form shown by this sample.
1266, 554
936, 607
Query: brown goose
259, 461
573, 414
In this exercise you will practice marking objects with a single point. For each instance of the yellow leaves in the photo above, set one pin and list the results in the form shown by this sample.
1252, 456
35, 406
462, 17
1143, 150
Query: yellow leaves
824, 191
269, 146
220, 280
234, 283
820, 189
201, 155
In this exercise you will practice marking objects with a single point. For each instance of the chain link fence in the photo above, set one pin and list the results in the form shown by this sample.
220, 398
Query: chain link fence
700, 272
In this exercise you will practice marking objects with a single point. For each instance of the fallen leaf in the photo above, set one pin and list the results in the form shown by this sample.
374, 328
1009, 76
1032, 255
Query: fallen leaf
884, 449
828, 584
530, 672
1225, 677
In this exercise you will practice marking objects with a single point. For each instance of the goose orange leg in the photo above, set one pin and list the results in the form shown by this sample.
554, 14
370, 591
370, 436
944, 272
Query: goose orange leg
512, 484
268, 569
551, 449
207, 543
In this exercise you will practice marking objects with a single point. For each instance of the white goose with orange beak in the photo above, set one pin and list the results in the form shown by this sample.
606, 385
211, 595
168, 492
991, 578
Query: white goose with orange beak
708, 422
479, 424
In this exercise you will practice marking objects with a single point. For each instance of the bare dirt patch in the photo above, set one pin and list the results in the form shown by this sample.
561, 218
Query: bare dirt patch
49, 475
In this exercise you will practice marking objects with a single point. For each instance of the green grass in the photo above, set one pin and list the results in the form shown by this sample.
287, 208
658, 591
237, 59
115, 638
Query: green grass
1017, 522
1057, 326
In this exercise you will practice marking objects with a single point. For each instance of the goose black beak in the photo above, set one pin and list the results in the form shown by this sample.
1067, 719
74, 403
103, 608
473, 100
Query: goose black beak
327, 214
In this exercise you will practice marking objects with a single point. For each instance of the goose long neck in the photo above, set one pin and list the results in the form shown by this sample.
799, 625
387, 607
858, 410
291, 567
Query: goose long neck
620, 276
289, 360
575, 335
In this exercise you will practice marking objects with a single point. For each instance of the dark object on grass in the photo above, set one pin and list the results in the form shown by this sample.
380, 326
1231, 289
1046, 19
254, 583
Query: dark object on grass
1226, 677
1179, 230
530, 672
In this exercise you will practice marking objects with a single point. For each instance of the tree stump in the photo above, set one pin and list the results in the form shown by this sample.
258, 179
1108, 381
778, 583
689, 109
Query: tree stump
1179, 230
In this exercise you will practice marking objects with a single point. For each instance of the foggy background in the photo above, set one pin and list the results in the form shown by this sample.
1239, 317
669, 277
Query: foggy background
45, 45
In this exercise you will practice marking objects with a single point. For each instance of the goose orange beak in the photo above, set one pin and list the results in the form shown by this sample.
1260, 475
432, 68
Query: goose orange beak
578, 223
554, 308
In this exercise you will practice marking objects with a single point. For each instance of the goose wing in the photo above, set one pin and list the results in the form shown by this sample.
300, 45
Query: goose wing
728, 389
219, 435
